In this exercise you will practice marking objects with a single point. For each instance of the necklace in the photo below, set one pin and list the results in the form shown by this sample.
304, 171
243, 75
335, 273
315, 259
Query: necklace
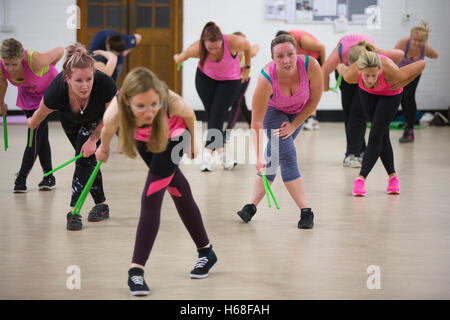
79, 105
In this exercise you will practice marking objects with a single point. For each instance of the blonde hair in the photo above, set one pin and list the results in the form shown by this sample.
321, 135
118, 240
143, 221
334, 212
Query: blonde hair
11, 48
422, 29
77, 57
137, 81
369, 59
355, 52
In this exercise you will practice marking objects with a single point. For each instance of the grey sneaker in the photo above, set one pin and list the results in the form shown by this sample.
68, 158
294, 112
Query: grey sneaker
98, 213
352, 161
74, 222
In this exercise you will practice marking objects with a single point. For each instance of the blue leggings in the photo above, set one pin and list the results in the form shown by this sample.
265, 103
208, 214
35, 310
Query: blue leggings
280, 153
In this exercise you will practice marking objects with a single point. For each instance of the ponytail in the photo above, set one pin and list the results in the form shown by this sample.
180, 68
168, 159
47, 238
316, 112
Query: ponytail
356, 51
76, 57
211, 32
422, 29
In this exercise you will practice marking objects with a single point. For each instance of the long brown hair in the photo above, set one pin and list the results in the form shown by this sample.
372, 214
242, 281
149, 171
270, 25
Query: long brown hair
76, 57
211, 32
137, 81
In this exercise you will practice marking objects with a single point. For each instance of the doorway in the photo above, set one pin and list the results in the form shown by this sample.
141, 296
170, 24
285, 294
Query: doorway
159, 22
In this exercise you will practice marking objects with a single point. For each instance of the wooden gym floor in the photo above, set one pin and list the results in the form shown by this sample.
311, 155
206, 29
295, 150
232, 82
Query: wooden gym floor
407, 237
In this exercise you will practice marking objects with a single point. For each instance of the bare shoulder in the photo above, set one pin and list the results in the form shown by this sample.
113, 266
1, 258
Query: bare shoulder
111, 116
313, 66
175, 103
401, 44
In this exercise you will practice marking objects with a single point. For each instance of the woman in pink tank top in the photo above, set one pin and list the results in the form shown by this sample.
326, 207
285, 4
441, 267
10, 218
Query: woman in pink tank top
309, 45
381, 85
218, 82
147, 111
416, 47
355, 122
288, 91
31, 72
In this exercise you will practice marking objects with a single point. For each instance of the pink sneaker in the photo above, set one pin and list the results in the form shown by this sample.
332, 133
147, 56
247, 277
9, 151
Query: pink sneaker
393, 185
359, 189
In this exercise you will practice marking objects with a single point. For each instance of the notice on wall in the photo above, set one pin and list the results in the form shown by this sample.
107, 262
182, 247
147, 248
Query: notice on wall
304, 11
310, 11
325, 7
275, 10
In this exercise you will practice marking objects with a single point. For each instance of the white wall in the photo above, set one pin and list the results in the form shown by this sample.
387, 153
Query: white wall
39, 25
248, 16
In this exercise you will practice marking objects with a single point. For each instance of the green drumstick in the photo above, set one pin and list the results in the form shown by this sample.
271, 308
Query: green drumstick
30, 138
63, 165
268, 188
338, 84
5, 131
87, 188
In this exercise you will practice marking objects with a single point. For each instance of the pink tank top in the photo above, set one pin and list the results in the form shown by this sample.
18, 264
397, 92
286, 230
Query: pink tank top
295, 103
228, 68
382, 88
31, 90
347, 42
298, 34
176, 128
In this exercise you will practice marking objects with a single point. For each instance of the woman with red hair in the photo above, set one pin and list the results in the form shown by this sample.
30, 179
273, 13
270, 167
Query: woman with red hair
81, 95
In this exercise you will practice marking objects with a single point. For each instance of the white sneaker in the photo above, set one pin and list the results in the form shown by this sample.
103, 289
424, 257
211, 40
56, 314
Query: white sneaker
228, 164
315, 124
308, 124
207, 162
351, 161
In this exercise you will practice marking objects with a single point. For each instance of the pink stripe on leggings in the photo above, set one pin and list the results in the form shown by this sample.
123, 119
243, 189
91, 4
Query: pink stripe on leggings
158, 185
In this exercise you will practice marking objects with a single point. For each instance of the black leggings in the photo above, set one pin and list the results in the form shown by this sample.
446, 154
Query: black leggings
409, 105
78, 134
380, 110
40, 147
239, 107
163, 175
354, 118
216, 96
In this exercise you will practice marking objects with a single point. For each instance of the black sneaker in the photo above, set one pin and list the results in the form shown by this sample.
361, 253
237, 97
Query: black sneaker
247, 212
408, 136
306, 219
74, 222
20, 184
136, 282
98, 213
206, 260
47, 183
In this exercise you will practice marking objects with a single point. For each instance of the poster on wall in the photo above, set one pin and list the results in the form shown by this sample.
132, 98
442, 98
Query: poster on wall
304, 11
275, 9
310, 11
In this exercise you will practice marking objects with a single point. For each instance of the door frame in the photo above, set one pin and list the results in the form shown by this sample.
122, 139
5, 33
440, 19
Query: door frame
177, 29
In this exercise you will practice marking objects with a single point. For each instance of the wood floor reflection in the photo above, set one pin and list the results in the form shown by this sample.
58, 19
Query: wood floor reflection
407, 236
